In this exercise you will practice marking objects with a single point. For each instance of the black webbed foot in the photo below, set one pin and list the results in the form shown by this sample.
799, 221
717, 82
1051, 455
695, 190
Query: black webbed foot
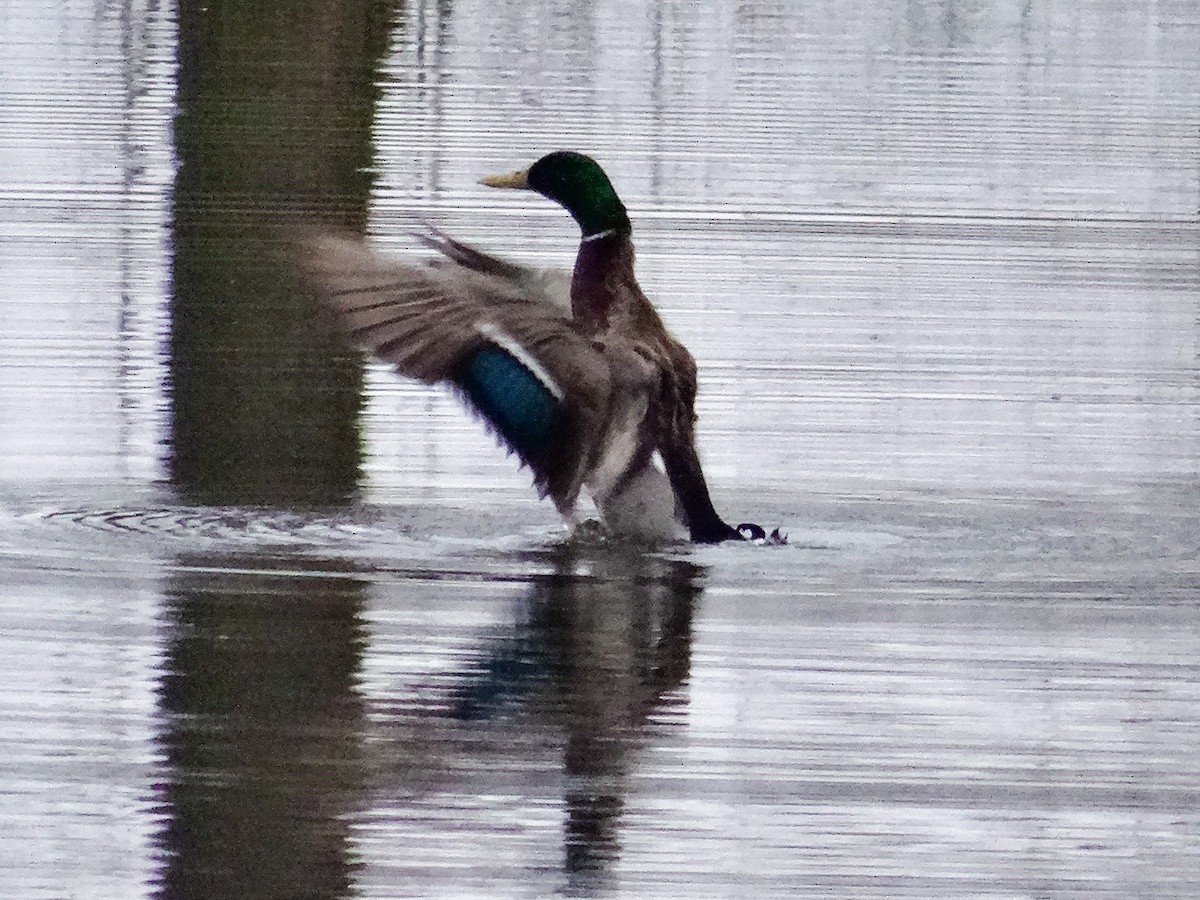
715, 533
748, 531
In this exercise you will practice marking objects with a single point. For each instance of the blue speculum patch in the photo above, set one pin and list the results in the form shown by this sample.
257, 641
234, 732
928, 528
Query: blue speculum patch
511, 398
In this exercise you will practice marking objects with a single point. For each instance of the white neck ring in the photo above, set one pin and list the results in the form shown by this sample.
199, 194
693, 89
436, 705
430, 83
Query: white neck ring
599, 234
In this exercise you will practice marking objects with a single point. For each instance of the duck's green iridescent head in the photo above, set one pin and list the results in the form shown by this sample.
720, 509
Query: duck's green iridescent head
577, 183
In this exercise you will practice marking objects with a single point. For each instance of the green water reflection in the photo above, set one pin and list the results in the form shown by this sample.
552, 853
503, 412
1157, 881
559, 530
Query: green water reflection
275, 110
262, 731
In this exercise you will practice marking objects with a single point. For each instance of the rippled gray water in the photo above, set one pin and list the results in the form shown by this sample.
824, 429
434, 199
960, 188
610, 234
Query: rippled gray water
273, 625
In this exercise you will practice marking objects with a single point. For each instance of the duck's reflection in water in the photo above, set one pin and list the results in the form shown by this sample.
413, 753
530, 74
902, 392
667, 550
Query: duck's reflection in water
555, 708
270, 746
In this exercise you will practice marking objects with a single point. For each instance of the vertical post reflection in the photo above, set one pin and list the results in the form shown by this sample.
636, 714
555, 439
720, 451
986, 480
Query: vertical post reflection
275, 109
262, 741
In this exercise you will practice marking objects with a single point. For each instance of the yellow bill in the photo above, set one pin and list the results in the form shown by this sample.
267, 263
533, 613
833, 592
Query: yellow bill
518, 179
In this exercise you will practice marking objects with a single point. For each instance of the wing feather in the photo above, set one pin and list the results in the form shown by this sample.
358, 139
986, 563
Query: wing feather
445, 323
550, 286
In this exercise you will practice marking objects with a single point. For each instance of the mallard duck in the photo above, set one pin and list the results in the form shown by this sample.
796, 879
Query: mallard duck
575, 374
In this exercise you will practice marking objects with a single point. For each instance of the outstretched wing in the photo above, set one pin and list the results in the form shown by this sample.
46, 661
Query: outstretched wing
519, 361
